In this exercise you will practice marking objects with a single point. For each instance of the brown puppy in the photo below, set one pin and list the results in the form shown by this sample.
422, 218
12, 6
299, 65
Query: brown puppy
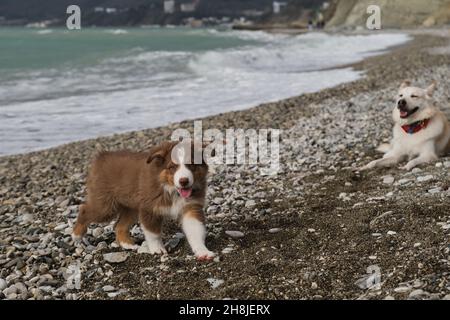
147, 187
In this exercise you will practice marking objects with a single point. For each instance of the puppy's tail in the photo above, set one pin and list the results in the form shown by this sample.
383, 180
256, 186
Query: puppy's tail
383, 148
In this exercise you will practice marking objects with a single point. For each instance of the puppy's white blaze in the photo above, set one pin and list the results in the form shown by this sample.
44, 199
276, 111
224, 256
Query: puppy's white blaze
195, 234
182, 171
154, 242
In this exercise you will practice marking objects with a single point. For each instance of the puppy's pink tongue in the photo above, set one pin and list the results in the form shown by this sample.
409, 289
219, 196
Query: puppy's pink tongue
403, 113
185, 193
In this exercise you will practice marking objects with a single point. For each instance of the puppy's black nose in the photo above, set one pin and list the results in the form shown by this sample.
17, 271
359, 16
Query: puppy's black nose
184, 182
401, 103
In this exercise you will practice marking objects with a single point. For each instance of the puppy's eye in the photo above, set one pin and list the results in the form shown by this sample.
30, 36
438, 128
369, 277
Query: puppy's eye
414, 96
401, 96
172, 167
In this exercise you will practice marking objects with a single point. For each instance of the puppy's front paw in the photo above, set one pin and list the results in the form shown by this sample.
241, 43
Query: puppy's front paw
204, 255
156, 247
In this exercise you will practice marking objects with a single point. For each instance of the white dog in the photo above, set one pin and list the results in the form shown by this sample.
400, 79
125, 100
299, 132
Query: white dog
421, 130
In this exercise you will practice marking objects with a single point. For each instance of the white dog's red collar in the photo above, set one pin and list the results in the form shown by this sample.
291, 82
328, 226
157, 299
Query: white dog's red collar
415, 126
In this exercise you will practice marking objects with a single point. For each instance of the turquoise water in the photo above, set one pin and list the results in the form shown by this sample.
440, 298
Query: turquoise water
58, 86
25, 49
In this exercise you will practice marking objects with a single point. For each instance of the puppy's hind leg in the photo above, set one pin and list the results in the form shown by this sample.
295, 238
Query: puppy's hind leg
126, 220
151, 224
82, 224
90, 212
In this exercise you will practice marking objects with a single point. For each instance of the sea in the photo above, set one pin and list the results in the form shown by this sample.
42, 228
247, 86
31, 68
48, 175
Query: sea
58, 86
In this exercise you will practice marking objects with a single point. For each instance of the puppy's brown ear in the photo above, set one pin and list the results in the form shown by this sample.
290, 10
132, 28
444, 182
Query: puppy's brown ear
156, 156
405, 84
158, 152
431, 88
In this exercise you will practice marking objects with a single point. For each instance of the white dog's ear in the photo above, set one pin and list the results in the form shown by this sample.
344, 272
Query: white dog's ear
431, 88
405, 84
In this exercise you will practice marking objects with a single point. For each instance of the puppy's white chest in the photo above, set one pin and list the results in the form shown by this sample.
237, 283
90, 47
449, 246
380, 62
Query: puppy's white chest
174, 211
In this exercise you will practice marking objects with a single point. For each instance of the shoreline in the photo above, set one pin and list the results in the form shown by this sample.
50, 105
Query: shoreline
310, 232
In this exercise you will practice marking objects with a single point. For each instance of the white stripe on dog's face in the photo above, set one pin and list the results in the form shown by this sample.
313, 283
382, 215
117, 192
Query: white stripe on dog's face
182, 172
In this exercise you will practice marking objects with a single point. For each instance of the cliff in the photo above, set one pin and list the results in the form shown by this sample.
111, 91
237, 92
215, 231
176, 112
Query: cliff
394, 13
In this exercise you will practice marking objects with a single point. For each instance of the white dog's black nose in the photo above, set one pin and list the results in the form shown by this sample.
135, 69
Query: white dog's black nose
401, 103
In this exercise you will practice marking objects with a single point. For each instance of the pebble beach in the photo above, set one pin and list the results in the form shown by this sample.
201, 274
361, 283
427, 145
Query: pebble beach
316, 230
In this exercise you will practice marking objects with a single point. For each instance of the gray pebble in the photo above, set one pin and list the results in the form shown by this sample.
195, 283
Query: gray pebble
108, 288
425, 178
115, 257
11, 296
250, 203
3, 284
388, 180
402, 289
416, 293
10, 290
27, 218
435, 190
97, 232
234, 234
